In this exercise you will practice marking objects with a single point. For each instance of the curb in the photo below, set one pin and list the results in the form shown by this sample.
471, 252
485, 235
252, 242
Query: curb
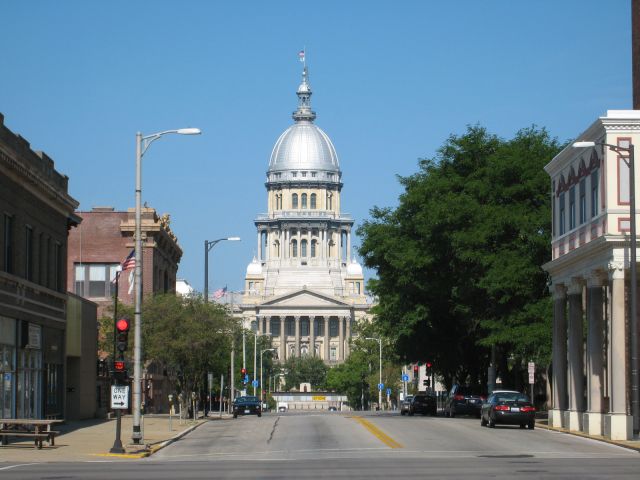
591, 437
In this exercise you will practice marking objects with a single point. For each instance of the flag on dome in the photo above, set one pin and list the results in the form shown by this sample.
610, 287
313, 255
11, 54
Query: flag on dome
301, 55
129, 262
221, 292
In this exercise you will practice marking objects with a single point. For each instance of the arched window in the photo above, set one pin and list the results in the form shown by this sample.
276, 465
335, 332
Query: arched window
313, 248
304, 200
303, 248
329, 201
313, 202
294, 201
294, 248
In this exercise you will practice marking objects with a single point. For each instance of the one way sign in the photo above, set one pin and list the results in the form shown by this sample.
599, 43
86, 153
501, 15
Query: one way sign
119, 397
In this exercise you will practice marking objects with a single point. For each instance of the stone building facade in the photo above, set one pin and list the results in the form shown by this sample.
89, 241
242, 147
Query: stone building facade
590, 280
303, 288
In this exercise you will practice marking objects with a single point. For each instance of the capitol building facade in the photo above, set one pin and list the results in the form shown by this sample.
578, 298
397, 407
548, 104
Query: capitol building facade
303, 287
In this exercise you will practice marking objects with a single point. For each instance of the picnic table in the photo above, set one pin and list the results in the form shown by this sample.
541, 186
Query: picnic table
38, 429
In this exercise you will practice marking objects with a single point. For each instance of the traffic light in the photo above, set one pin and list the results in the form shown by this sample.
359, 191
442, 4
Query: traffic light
243, 372
415, 371
122, 334
426, 382
429, 364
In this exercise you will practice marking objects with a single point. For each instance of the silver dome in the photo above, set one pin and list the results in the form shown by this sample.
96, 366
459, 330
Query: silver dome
304, 146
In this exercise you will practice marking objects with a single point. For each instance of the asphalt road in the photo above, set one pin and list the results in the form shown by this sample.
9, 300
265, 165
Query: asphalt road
371, 446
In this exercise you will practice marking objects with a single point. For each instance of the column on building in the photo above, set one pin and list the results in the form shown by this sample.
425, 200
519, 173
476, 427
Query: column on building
283, 340
268, 326
348, 246
259, 324
259, 245
559, 356
347, 337
341, 339
326, 338
595, 360
297, 334
576, 355
312, 336
620, 422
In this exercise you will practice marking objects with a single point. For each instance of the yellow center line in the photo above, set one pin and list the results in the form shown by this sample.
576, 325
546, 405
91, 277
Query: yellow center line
383, 437
121, 455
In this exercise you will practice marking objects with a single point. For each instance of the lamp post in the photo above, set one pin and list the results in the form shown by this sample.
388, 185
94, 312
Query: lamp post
635, 372
142, 144
208, 245
255, 356
261, 387
379, 340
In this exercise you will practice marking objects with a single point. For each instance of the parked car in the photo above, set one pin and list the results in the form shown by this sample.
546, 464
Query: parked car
333, 408
423, 403
463, 399
404, 406
246, 406
508, 407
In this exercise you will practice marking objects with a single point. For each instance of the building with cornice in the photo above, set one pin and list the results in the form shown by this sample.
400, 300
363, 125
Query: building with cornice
304, 288
591, 280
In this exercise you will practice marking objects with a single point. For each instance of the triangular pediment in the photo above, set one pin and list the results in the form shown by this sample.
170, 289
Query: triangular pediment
304, 298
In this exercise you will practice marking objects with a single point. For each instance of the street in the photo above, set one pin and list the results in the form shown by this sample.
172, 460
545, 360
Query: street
359, 445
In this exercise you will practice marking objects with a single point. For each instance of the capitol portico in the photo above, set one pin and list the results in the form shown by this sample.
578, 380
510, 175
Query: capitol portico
303, 287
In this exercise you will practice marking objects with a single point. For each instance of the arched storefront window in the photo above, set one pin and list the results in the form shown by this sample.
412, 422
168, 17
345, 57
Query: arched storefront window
294, 201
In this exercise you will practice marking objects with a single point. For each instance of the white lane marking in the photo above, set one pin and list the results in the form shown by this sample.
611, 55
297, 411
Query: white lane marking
18, 465
630, 450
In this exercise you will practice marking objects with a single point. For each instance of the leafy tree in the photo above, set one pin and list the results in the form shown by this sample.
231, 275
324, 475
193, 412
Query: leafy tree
305, 369
459, 259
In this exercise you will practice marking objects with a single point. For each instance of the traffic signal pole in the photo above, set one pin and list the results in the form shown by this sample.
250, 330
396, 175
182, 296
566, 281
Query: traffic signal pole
117, 444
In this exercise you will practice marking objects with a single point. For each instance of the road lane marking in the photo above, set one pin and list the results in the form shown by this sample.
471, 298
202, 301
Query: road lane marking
16, 466
375, 431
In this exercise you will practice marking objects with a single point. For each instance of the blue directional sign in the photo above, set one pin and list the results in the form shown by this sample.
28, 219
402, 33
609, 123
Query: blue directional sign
388, 391
381, 386
405, 377
255, 383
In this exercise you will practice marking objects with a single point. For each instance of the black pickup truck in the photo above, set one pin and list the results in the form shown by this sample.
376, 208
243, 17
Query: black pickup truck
247, 406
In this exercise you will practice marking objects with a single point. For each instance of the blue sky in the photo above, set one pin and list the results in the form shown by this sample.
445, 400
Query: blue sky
391, 81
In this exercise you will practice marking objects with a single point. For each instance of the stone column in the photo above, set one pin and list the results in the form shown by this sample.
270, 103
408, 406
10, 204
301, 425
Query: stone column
347, 337
298, 237
559, 379
285, 243
621, 424
312, 336
348, 246
340, 245
268, 326
576, 356
309, 243
283, 340
326, 339
341, 339
595, 317
259, 324
259, 245
297, 333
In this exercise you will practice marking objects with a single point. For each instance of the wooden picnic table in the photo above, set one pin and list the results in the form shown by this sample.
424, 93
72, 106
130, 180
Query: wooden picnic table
35, 428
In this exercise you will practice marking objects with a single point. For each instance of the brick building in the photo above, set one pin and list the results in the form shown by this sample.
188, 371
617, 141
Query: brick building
36, 213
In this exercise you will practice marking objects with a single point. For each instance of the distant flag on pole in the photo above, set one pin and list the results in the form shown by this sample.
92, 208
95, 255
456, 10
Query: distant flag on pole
129, 262
301, 55
221, 292
131, 281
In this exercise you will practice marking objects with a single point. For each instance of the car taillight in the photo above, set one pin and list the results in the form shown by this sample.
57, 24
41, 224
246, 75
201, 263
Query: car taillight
527, 409
502, 408
458, 397
483, 397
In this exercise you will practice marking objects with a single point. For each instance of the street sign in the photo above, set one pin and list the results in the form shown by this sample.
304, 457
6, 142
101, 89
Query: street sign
381, 386
388, 392
532, 368
254, 383
531, 379
119, 397
405, 377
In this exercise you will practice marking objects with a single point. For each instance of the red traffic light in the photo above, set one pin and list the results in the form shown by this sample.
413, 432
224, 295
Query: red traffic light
429, 364
118, 366
122, 325
243, 371
415, 368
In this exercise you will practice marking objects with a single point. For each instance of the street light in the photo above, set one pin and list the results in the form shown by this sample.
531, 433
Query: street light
261, 387
255, 355
142, 144
635, 378
208, 245
379, 340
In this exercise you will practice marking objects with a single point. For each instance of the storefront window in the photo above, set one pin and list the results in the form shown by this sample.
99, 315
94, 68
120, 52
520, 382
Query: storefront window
7, 366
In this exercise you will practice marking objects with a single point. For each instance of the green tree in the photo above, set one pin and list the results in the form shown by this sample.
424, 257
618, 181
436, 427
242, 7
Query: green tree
305, 369
458, 260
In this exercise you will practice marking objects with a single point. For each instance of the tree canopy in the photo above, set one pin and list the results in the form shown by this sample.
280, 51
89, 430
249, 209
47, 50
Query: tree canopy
459, 260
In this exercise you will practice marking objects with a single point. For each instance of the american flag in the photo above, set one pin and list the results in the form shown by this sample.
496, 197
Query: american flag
301, 55
129, 262
221, 292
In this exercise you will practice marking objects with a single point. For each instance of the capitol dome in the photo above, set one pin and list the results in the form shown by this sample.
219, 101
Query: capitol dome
254, 268
304, 146
354, 268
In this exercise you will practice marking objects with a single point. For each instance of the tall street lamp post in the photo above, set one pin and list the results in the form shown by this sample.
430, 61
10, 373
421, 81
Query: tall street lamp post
261, 386
142, 144
627, 154
379, 340
208, 245
255, 357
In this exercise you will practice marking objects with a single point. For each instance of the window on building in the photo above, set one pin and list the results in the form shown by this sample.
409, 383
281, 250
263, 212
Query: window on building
333, 354
58, 276
294, 201
8, 244
290, 327
314, 247
275, 326
95, 280
313, 174
28, 253
572, 208
561, 217
333, 327
294, 174
313, 202
303, 248
583, 201
304, 174
594, 193
304, 200
329, 201
294, 248
304, 327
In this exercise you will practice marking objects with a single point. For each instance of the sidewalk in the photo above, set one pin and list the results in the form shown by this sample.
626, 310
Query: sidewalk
632, 444
88, 440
